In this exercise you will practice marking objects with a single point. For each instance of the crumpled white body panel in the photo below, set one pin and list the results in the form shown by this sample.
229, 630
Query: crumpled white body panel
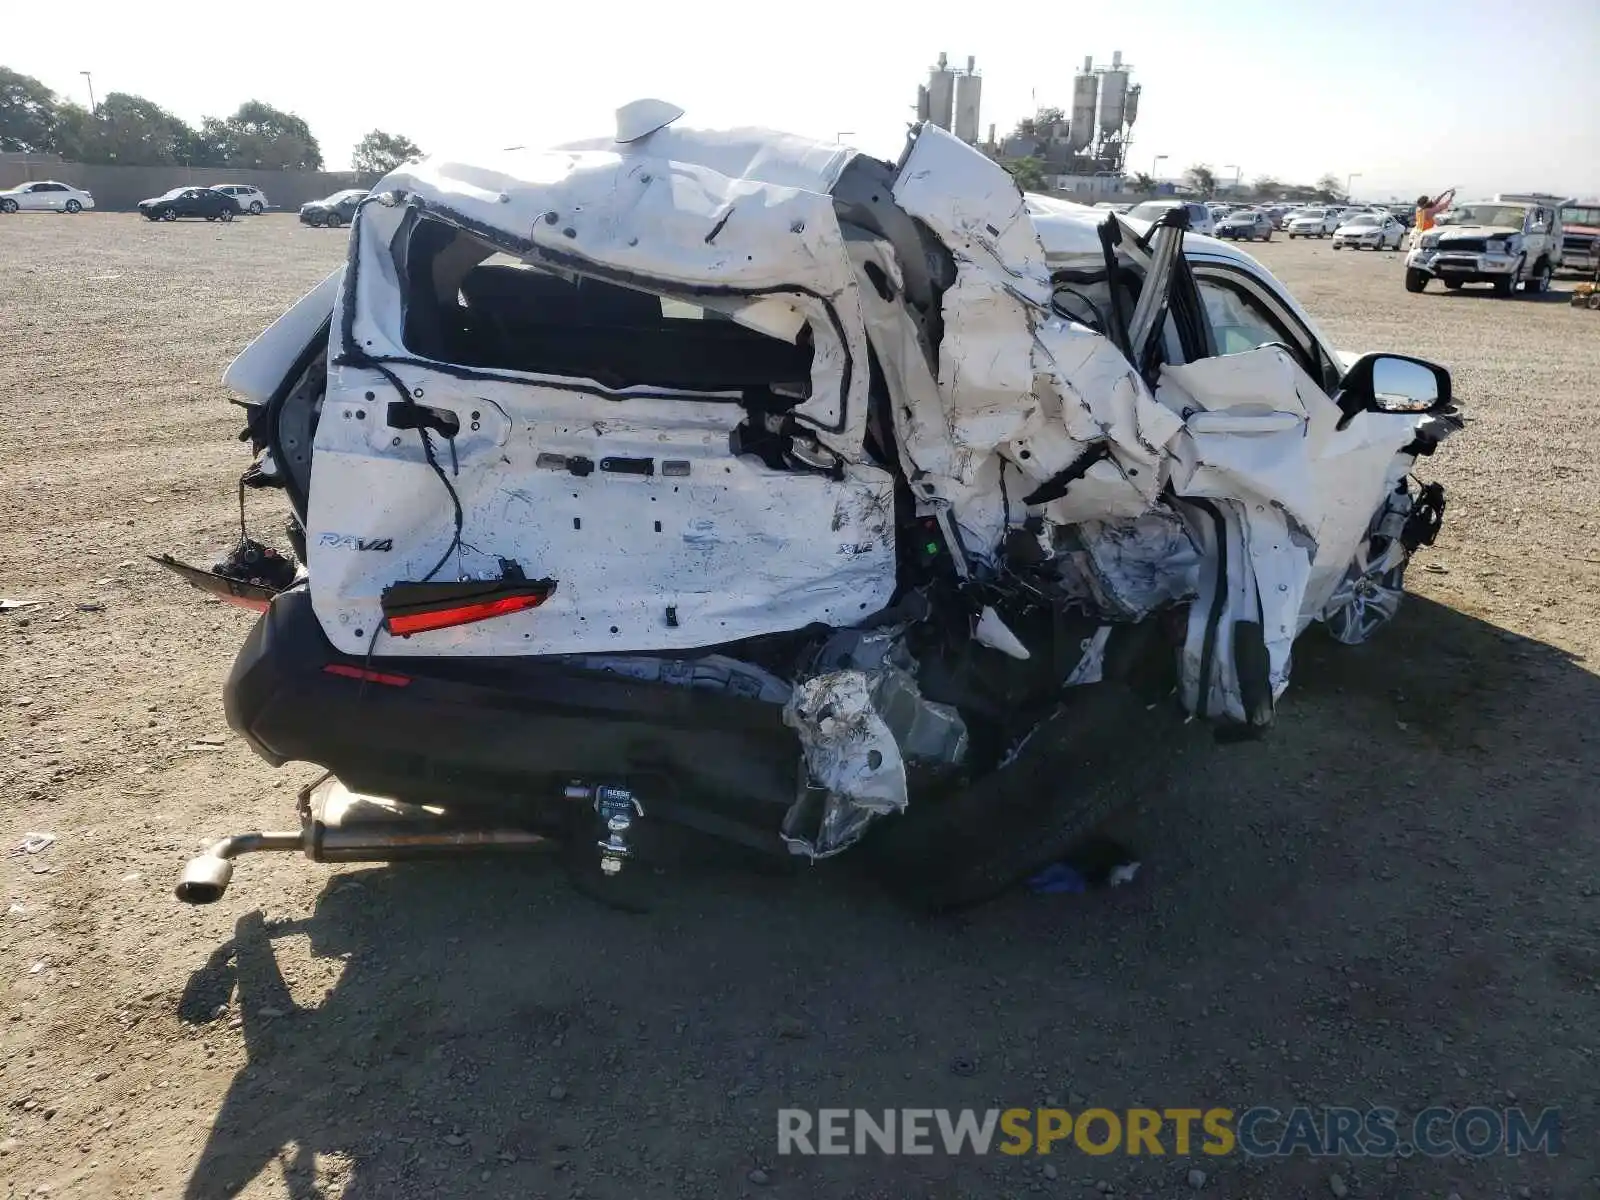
1016, 396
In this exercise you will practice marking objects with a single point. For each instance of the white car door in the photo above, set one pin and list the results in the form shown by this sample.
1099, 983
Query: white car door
1332, 480
32, 198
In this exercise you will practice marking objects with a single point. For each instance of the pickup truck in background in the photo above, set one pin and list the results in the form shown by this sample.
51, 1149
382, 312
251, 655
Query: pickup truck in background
1580, 236
1509, 242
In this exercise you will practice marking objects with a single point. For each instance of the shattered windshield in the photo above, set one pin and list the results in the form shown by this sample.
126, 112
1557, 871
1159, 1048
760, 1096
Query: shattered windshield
1485, 214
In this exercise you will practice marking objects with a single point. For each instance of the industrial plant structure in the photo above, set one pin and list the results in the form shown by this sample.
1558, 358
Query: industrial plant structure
950, 98
1083, 149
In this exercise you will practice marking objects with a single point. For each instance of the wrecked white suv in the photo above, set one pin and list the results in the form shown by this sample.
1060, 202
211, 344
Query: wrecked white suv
744, 484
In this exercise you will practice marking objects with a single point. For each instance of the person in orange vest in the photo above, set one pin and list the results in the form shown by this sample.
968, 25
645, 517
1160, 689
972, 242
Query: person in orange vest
1427, 210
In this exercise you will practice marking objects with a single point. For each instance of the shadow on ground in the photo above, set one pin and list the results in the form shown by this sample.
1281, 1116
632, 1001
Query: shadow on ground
1388, 901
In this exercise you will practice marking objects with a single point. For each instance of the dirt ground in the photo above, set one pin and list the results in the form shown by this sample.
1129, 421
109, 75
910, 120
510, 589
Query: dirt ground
1392, 900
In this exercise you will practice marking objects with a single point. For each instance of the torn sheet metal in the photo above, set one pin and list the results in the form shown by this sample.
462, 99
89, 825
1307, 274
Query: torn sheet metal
859, 724
1130, 569
850, 756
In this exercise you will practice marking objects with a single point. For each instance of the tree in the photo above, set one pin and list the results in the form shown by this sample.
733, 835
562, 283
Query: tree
27, 114
1202, 178
381, 152
1268, 188
1329, 187
1029, 174
206, 146
261, 137
126, 130
1144, 184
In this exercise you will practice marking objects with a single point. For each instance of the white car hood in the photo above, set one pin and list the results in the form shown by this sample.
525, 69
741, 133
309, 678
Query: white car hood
1446, 232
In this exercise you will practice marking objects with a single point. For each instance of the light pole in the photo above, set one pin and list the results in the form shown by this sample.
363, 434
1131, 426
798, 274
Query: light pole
1347, 180
1237, 173
842, 134
89, 79
1158, 160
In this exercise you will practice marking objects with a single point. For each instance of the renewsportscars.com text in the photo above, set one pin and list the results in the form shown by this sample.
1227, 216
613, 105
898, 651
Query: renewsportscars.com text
1257, 1132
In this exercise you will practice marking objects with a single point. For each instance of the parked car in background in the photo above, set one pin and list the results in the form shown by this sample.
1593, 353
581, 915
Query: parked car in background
191, 202
1200, 218
1369, 231
1247, 223
1504, 244
1580, 236
1313, 222
333, 211
46, 195
251, 199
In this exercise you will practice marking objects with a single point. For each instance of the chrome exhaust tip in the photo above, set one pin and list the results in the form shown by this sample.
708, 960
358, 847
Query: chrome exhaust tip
204, 879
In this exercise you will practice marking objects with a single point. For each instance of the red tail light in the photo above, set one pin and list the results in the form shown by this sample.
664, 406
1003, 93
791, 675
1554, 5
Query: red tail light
404, 624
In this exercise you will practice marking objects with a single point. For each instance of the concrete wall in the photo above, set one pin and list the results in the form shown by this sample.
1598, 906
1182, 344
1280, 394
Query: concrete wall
121, 188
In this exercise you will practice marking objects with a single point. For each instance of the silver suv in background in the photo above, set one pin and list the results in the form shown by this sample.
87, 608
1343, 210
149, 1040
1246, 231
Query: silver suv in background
1500, 242
251, 199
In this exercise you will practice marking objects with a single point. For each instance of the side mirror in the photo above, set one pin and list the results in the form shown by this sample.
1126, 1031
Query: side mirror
1393, 383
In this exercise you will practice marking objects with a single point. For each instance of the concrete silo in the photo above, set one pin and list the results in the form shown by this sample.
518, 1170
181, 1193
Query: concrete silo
1113, 96
1085, 91
969, 91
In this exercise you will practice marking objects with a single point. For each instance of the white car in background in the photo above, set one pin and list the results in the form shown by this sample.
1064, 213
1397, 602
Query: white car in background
45, 196
1313, 222
1200, 218
1369, 230
251, 199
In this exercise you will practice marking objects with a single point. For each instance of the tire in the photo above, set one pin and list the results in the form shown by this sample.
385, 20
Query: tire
1539, 282
169, 215
962, 848
1416, 280
1594, 301
152, 217
8, 206
1336, 246
210, 219
225, 215
1508, 286
256, 208
333, 221
74, 207
1267, 237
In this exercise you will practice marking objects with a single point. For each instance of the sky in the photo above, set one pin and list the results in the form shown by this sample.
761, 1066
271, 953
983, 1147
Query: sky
1409, 98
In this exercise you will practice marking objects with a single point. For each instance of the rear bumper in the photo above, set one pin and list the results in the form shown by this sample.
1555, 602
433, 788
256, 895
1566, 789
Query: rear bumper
502, 733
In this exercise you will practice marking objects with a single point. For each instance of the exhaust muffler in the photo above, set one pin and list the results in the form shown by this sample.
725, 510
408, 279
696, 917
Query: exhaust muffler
341, 826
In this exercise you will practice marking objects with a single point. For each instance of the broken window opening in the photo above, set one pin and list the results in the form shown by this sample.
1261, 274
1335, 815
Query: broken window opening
1240, 317
467, 304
